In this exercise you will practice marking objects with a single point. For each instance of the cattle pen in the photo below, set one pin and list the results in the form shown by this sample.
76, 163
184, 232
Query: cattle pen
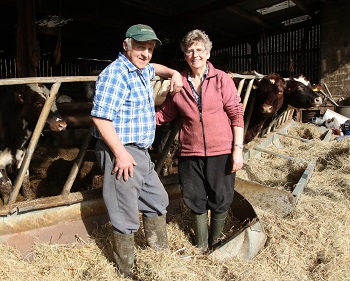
69, 215
67, 218
44, 217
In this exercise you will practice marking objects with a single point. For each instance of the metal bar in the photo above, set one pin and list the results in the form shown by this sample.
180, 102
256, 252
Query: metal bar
298, 190
326, 87
279, 155
293, 137
247, 93
77, 163
246, 76
248, 114
240, 87
33, 141
329, 98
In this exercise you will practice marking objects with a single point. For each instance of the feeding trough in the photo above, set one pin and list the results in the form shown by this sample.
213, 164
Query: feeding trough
279, 201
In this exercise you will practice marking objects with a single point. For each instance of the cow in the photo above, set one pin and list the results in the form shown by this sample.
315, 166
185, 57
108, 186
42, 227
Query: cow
268, 99
299, 93
20, 108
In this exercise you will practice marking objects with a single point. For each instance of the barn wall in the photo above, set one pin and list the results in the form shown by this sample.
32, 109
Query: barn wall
292, 52
335, 47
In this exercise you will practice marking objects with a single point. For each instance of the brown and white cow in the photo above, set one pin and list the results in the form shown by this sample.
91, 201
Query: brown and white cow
20, 108
299, 93
268, 99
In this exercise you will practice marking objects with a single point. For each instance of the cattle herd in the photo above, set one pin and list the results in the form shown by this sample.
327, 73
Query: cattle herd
21, 105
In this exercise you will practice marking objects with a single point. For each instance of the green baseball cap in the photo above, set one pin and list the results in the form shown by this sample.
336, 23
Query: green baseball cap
142, 32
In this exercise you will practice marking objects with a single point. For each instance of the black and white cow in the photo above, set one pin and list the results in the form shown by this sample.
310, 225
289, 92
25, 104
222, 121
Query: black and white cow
20, 108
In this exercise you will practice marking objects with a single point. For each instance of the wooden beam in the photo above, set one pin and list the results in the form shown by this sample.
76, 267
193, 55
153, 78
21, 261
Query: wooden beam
27, 47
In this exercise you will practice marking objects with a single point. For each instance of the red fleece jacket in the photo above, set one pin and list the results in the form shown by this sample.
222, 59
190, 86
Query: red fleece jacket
221, 109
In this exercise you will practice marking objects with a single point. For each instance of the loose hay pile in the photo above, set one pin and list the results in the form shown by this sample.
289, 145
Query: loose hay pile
311, 244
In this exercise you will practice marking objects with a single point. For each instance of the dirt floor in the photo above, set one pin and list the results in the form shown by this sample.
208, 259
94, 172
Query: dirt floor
311, 243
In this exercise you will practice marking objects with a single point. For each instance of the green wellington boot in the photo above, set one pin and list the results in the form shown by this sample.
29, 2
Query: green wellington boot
200, 228
155, 232
217, 223
123, 253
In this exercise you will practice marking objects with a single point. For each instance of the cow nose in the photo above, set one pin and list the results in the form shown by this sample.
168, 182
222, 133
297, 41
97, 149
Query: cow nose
318, 101
62, 125
266, 108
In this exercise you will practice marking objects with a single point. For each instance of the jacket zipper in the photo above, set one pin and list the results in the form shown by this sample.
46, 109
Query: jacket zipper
201, 120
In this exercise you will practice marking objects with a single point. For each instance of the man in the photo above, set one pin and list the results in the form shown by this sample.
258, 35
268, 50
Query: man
124, 115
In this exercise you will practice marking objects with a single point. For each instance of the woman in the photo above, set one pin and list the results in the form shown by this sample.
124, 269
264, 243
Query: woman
210, 138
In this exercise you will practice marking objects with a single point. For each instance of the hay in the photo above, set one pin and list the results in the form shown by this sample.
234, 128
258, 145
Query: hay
313, 243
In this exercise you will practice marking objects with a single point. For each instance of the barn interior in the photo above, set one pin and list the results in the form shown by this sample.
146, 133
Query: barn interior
72, 38
76, 37
291, 37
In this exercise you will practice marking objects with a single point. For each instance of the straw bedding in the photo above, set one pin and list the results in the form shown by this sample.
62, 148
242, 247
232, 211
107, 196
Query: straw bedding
312, 243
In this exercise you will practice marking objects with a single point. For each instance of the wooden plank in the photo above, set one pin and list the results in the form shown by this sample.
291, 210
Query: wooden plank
53, 79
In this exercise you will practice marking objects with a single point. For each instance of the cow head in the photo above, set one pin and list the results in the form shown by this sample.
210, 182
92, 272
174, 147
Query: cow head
299, 93
269, 94
34, 97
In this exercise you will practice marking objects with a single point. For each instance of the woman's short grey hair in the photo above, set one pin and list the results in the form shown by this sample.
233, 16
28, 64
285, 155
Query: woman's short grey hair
193, 36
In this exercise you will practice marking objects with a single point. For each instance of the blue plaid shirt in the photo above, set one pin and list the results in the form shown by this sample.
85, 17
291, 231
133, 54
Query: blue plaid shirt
124, 95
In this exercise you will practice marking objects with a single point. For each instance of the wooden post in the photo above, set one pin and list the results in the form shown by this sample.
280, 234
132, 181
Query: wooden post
27, 46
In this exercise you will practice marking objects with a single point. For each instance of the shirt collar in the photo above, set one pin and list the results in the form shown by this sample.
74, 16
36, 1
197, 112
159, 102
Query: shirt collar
206, 72
129, 65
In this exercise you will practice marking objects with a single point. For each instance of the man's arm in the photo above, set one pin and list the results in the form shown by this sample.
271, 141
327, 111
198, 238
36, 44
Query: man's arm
166, 72
124, 164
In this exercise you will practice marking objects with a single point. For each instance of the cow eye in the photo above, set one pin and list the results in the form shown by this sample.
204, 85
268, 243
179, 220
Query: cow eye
38, 104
